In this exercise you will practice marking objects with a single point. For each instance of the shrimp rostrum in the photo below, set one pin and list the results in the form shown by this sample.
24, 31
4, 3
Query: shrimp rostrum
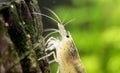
66, 55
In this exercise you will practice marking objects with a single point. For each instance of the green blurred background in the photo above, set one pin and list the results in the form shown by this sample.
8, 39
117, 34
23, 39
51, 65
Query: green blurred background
95, 29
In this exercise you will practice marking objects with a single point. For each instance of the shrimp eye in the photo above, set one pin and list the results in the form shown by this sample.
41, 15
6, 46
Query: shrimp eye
67, 36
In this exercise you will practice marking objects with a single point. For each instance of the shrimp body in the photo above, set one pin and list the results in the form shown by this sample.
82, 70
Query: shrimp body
66, 53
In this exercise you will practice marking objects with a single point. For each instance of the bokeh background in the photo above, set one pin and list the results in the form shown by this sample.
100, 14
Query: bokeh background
95, 29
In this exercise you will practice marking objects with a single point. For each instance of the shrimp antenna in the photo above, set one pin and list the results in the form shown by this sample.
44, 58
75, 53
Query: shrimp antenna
46, 16
68, 22
54, 14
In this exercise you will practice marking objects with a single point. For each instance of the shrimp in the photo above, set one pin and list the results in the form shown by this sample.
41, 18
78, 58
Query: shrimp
66, 55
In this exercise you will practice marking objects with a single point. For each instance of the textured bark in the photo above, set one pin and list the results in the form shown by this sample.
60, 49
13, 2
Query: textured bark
21, 41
